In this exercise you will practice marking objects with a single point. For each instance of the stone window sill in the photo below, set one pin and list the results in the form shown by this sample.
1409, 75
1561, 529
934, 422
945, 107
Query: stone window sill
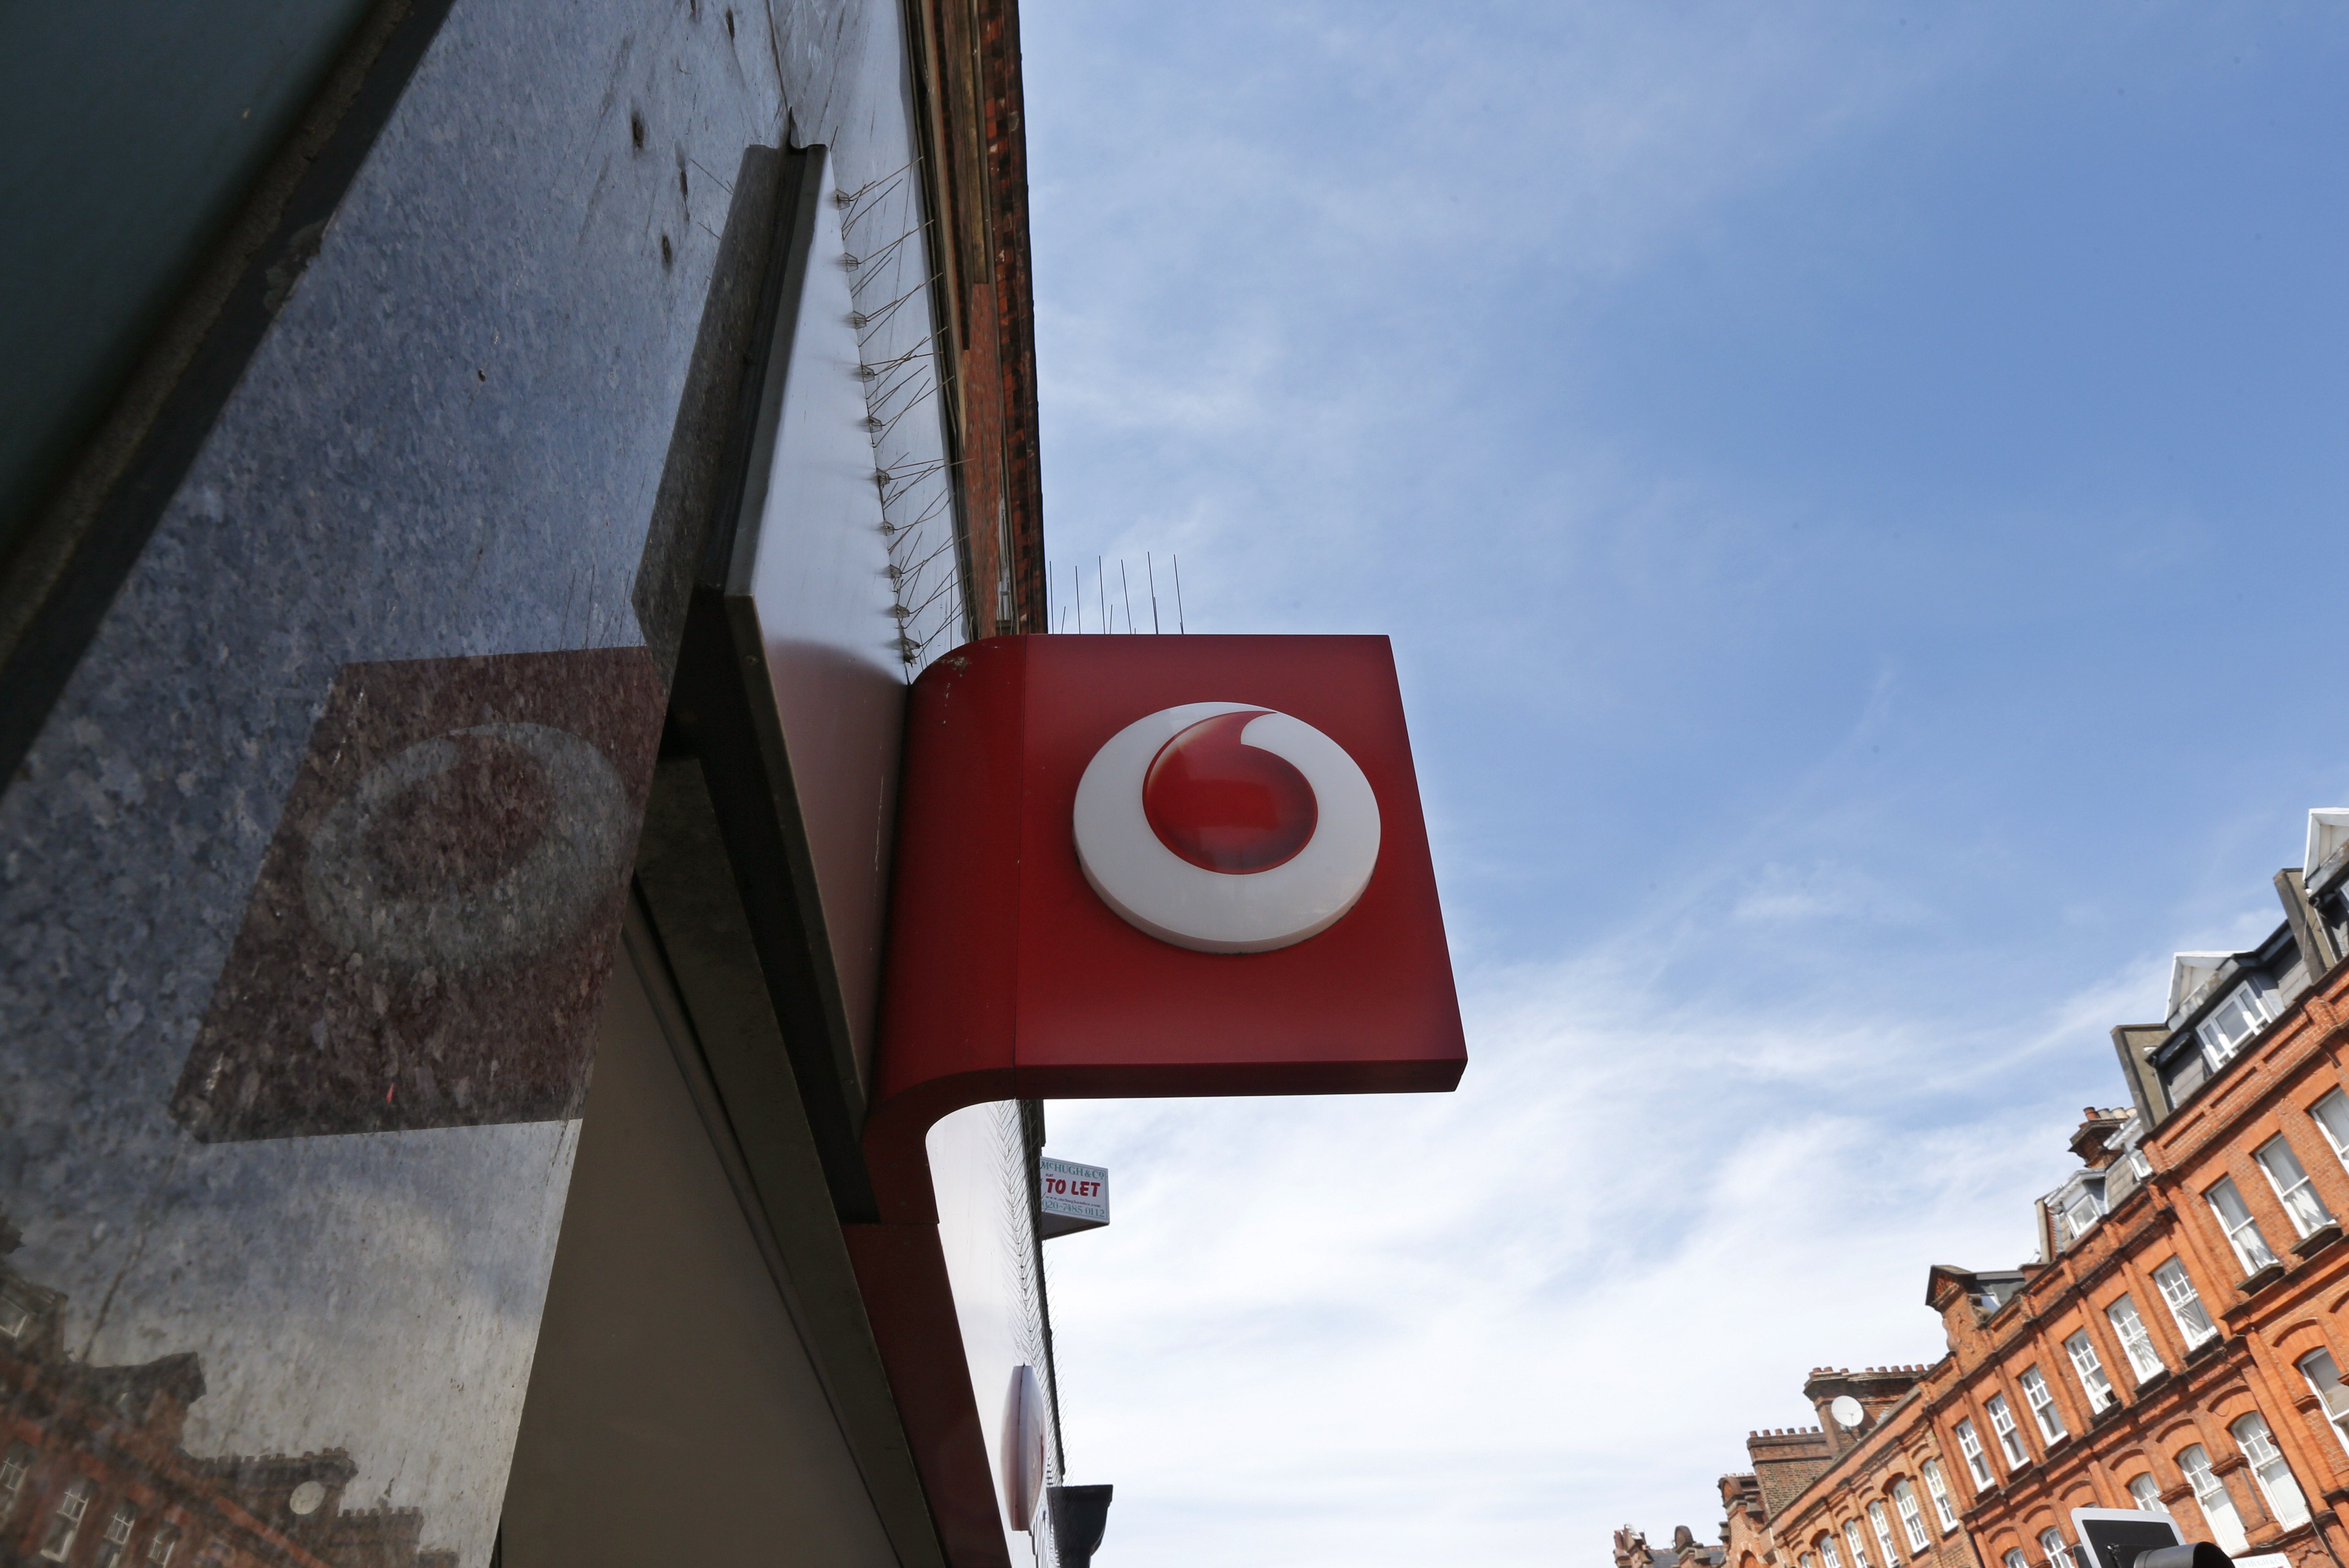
2316, 1241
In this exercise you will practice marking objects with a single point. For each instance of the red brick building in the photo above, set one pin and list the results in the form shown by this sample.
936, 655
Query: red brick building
93, 1475
2178, 1344
1866, 1488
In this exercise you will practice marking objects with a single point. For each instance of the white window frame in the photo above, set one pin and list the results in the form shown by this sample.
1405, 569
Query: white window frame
2177, 1287
2011, 1445
1912, 1518
2090, 1371
15, 1318
1857, 1541
2294, 1190
2015, 1559
2041, 1400
2331, 1115
161, 1544
2139, 1165
2083, 1210
2277, 1484
2323, 1376
1970, 1444
1937, 1487
1881, 1522
114, 1545
2146, 1492
2137, 1340
2235, 1022
2051, 1541
2235, 1218
1828, 1553
2219, 1511
65, 1521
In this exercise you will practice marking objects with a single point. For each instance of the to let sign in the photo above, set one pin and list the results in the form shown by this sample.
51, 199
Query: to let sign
1075, 1197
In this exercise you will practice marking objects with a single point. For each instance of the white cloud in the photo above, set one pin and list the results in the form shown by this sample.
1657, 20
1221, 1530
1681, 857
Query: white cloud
1491, 1325
1319, 290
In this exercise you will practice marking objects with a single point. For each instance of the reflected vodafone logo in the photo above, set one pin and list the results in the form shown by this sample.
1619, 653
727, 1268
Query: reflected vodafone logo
1225, 827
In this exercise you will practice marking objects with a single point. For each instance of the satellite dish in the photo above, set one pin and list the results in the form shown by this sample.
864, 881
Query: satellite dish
1847, 1411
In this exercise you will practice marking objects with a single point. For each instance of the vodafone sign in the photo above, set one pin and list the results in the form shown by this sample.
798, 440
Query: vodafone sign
1227, 827
1153, 865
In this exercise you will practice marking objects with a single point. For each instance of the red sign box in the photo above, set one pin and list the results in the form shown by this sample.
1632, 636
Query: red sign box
1012, 971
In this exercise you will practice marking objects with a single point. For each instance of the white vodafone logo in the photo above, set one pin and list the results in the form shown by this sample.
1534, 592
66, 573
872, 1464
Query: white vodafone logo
1225, 827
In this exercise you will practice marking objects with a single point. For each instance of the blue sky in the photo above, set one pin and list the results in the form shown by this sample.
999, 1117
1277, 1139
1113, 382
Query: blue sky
1855, 496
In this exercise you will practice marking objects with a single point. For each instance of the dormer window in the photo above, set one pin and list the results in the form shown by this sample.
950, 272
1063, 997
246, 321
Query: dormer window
2245, 1010
15, 1318
2083, 1208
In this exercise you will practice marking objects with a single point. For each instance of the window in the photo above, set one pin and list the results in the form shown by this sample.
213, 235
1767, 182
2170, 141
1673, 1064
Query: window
13, 1471
2184, 1304
1939, 1490
2282, 1492
15, 1318
2043, 1406
2332, 1116
65, 1523
160, 1546
2051, 1541
2139, 1166
2083, 1210
2135, 1343
2325, 1381
2242, 1232
1858, 1547
1977, 1466
2090, 1371
1808, 1561
2308, 1213
1912, 1519
1828, 1551
2010, 1441
2211, 1496
2015, 1559
2147, 1491
2235, 1020
1881, 1522
116, 1544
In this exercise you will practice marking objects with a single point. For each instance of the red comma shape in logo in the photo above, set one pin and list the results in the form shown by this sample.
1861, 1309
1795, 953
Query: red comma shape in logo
1225, 805
1227, 827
